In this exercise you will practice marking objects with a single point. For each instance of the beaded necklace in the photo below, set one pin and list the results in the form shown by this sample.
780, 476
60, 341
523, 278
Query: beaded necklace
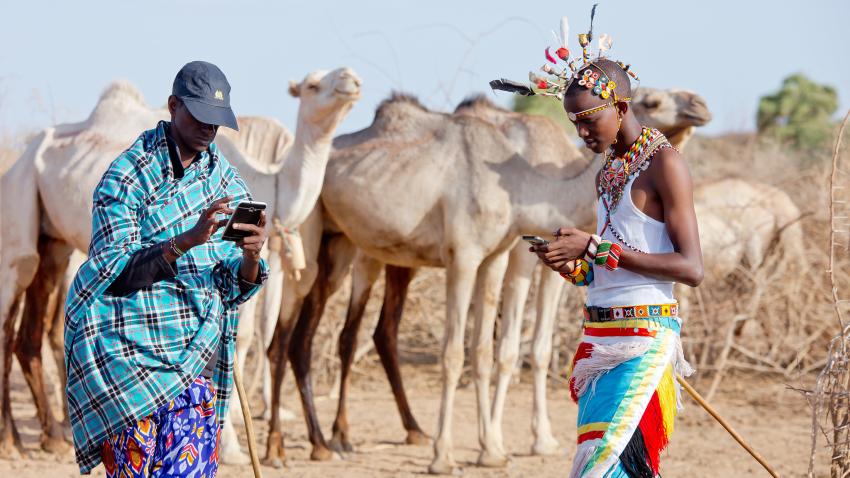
617, 172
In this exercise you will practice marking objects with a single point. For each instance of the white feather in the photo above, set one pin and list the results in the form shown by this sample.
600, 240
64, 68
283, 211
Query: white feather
565, 31
605, 43
557, 38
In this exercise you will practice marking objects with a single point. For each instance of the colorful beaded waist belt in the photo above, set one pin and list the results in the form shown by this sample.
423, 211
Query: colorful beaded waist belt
606, 314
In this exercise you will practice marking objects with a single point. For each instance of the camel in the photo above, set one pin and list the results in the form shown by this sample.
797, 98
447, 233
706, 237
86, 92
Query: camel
467, 195
62, 166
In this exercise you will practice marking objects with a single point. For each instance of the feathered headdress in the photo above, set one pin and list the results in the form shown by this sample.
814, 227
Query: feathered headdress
583, 70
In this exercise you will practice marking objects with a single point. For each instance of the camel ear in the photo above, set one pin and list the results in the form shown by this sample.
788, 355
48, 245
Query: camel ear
294, 90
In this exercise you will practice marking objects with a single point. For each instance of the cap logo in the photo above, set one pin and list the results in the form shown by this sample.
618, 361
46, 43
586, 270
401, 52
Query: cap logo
219, 95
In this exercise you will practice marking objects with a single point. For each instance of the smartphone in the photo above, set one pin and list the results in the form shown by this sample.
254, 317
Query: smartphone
535, 240
247, 212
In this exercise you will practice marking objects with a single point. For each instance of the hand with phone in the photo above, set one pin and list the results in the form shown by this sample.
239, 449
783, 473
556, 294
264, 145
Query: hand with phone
560, 255
207, 225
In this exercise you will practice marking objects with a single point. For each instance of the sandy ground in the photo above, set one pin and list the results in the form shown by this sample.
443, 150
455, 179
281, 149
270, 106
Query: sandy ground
775, 419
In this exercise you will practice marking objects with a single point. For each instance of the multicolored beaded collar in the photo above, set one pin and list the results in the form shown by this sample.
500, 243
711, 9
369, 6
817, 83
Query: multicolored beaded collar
617, 172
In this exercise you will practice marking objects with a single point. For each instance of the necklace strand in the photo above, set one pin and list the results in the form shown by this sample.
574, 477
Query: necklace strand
617, 172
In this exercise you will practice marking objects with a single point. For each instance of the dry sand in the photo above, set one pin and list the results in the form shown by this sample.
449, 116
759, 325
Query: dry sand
775, 419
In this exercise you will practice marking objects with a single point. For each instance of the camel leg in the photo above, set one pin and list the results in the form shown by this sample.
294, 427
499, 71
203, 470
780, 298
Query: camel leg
275, 453
273, 291
230, 452
386, 342
292, 298
10, 439
548, 297
460, 281
516, 285
300, 348
364, 274
56, 333
56, 337
55, 256
487, 291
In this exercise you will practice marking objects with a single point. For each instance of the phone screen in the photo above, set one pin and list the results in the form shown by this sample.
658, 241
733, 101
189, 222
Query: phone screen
247, 212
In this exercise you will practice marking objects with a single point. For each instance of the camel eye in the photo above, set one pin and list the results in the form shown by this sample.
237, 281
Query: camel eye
313, 87
651, 103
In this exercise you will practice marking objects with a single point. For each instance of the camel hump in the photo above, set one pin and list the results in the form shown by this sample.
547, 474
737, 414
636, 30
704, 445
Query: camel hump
120, 114
122, 91
262, 140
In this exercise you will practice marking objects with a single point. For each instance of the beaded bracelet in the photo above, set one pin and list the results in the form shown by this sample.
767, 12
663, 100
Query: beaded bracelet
172, 244
590, 251
602, 253
581, 275
613, 260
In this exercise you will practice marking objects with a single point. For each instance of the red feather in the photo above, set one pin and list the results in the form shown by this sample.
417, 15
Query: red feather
550, 57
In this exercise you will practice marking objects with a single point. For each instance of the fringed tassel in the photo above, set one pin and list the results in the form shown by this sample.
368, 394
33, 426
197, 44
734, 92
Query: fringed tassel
655, 428
583, 454
634, 458
683, 368
602, 359
668, 399
654, 435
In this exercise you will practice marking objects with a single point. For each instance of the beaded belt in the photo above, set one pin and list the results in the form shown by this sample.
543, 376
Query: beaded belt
606, 314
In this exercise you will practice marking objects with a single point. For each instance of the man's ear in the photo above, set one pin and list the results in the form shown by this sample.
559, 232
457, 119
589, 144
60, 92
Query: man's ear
623, 107
173, 103
294, 89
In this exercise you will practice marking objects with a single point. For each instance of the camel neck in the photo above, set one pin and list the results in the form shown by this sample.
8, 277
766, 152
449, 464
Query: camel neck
302, 174
547, 203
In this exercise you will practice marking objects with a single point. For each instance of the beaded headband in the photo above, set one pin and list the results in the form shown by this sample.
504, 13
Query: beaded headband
599, 82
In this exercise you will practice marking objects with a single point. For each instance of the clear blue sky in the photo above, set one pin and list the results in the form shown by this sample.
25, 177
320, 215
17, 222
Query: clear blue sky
57, 56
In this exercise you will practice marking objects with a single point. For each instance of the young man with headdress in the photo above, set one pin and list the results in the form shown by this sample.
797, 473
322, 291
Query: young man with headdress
151, 316
623, 374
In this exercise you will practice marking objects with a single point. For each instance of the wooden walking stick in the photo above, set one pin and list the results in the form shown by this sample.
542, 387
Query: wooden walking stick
246, 414
711, 411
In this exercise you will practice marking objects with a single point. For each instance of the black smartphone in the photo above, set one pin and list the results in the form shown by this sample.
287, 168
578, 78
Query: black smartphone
535, 240
247, 212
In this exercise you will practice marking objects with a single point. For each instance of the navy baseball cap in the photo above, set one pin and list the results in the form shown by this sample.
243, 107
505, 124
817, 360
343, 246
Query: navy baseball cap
204, 90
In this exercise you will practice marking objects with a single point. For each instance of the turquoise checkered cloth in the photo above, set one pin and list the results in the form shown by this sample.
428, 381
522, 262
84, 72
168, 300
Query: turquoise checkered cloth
128, 356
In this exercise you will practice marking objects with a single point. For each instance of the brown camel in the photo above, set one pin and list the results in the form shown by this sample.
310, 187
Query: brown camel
470, 183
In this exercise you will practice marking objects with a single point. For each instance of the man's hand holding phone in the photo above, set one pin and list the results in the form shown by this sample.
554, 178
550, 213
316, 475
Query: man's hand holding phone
207, 225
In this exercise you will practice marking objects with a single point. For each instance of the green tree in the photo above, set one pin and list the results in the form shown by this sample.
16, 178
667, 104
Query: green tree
800, 113
544, 106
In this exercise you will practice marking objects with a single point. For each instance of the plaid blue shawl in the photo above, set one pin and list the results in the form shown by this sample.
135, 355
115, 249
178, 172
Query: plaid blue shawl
127, 356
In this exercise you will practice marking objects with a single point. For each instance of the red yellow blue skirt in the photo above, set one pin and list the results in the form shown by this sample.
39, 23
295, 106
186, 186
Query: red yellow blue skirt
623, 379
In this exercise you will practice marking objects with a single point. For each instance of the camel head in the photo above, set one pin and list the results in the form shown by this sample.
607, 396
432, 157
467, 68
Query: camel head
326, 97
674, 112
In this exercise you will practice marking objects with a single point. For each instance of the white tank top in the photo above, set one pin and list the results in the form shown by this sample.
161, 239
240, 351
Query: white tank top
623, 287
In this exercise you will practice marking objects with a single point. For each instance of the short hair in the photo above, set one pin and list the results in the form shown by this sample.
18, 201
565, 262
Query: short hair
613, 70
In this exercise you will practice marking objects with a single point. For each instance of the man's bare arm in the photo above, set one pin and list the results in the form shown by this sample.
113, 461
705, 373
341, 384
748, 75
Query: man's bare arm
671, 179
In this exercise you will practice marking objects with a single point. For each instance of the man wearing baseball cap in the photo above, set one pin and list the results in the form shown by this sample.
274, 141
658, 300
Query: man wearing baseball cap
151, 316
